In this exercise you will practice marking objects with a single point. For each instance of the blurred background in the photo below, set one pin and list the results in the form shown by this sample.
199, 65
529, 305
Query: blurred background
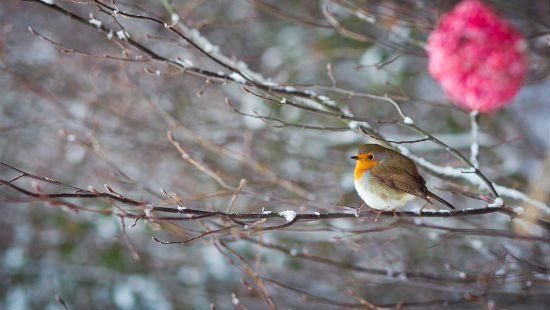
86, 102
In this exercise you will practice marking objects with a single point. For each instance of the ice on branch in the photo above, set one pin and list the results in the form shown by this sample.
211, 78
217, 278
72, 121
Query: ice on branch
289, 215
496, 203
121, 34
367, 18
346, 112
408, 121
237, 78
352, 211
474, 148
209, 48
94, 21
184, 63
519, 210
148, 210
203, 42
327, 101
50, 2
310, 93
420, 210
356, 124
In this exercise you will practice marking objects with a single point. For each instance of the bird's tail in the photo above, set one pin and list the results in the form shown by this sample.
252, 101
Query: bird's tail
443, 201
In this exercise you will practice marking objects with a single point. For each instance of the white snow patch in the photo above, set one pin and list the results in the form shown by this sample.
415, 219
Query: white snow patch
234, 299
175, 17
365, 17
317, 213
237, 77
310, 93
352, 211
266, 212
496, 203
14, 258
474, 147
50, 2
94, 21
289, 215
148, 210
74, 153
123, 297
186, 63
210, 48
519, 210
476, 244
356, 124
346, 111
353, 125
407, 120
121, 34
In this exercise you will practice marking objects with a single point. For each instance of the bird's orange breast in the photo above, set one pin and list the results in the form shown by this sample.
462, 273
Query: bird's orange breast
361, 166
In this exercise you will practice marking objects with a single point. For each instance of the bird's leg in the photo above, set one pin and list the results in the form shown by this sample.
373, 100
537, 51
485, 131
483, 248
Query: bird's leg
394, 213
378, 212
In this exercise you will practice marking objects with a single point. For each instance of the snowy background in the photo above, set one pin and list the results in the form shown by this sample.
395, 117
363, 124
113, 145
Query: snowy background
71, 113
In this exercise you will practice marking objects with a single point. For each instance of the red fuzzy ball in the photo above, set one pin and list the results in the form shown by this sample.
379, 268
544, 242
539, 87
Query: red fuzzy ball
478, 58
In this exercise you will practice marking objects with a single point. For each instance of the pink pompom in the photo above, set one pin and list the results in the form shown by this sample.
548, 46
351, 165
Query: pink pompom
478, 58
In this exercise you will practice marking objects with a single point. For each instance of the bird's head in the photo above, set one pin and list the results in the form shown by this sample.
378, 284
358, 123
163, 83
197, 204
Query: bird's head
368, 156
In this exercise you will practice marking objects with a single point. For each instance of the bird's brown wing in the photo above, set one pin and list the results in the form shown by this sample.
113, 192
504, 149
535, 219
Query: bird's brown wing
400, 180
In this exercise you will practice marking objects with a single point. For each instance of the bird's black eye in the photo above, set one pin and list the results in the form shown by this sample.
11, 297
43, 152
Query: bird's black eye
370, 156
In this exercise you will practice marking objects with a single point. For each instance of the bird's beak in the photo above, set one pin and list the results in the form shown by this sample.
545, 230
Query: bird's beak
354, 157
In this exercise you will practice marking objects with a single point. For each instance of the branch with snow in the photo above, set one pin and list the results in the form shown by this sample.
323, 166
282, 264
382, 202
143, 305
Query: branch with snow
474, 148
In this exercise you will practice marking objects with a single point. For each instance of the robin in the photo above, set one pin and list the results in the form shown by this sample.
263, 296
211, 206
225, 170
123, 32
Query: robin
386, 179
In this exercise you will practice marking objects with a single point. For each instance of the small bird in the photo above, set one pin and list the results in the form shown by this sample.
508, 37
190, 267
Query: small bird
386, 179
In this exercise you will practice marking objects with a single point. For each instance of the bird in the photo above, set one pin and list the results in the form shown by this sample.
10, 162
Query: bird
386, 179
